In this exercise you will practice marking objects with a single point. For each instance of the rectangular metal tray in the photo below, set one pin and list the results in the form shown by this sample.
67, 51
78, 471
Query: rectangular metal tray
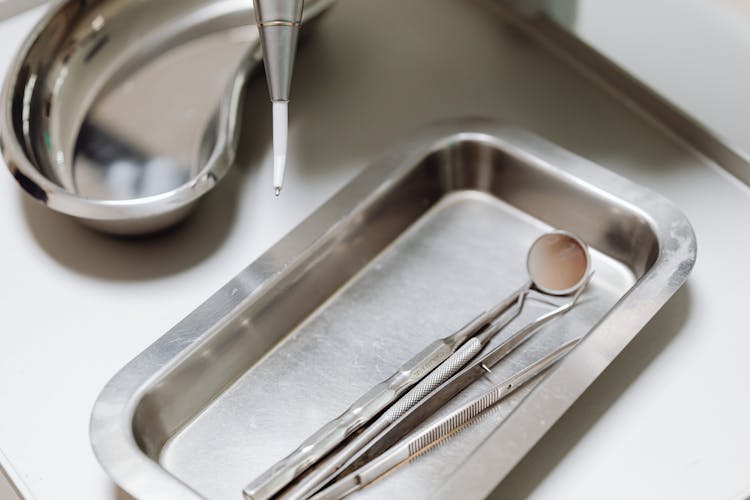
417, 245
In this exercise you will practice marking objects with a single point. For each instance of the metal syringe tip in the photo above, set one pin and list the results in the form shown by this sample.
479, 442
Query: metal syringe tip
277, 191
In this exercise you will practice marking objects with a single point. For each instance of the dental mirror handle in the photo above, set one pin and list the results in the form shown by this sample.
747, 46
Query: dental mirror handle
359, 413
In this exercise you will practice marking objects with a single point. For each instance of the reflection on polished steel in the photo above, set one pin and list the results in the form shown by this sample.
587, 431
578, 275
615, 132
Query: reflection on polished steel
415, 445
434, 231
424, 400
122, 114
474, 337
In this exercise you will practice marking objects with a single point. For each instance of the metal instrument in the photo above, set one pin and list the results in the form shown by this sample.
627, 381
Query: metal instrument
554, 250
216, 401
370, 404
278, 25
416, 406
330, 467
123, 114
423, 441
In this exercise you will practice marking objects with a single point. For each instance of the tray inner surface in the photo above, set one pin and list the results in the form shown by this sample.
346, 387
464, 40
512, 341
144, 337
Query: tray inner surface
456, 257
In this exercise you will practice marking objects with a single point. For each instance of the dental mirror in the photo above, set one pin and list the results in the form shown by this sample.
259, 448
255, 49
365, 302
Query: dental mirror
558, 263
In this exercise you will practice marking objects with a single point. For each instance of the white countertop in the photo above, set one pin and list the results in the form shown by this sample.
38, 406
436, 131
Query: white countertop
668, 419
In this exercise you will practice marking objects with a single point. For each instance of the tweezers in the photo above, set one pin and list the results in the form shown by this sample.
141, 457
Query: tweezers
377, 399
438, 431
430, 394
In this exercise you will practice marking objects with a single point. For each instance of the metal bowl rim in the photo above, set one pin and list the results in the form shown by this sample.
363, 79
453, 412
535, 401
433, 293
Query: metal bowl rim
54, 196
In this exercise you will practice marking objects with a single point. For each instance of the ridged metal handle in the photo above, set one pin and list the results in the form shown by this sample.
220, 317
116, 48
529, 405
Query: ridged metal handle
413, 446
359, 413
450, 423
329, 468
442, 373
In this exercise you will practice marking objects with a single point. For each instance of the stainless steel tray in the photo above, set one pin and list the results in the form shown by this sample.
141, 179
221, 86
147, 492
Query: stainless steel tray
433, 232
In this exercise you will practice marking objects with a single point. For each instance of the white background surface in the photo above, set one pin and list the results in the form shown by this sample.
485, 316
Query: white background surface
695, 52
667, 420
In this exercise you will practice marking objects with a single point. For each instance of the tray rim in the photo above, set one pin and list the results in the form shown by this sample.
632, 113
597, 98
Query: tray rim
111, 432
492, 461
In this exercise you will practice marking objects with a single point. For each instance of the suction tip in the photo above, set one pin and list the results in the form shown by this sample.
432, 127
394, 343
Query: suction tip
280, 137
277, 191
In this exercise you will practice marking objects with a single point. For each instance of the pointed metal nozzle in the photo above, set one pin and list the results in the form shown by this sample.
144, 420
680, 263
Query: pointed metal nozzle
278, 23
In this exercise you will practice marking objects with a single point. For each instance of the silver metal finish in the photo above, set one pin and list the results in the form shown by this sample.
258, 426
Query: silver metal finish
359, 413
279, 23
126, 132
385, 393
410, 250
436, 432
426, 397
323, 472
375, 400
429, 405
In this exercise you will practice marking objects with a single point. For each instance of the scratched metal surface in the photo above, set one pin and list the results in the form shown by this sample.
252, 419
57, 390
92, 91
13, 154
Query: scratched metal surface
464, 254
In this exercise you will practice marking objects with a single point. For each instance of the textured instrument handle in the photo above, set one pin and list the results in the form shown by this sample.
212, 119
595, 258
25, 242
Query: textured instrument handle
413, 446
331, 466
442, 373
359, 413
447, 425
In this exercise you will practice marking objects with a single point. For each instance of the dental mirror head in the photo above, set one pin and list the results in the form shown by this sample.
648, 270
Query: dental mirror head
558, 263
